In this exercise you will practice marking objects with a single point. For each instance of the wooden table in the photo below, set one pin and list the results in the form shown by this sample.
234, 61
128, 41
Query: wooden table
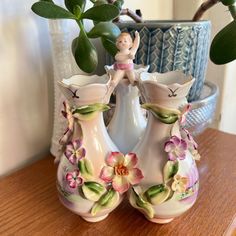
29, 203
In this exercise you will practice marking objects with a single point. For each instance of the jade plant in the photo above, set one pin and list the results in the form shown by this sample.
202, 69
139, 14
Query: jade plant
101, 13
104, 12
223, 46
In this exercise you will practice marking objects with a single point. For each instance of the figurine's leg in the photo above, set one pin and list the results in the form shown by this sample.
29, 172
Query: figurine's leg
117, 77
131, 76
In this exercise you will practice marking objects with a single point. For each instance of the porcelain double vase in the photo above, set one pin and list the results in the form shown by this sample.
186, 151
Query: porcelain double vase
92, 174
159, 174
167, 152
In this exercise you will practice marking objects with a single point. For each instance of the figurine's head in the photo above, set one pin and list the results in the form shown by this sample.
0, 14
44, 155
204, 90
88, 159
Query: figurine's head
124, 41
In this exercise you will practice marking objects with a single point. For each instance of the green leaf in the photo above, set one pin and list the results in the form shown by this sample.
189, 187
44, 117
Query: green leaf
110, 46
223, 46
105, 12
85, 53
100, 2
228, 2
86, 168
93, 190
49, 10
77, 11
165, 115
119, 4
71, 4
158, 194
170, 170
137, 201
46, 1
104, 29
108, 200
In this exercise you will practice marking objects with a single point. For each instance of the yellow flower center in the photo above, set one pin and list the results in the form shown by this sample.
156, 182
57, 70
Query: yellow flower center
121, 170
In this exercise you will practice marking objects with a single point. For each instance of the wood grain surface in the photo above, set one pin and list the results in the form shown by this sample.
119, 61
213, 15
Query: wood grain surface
29, 203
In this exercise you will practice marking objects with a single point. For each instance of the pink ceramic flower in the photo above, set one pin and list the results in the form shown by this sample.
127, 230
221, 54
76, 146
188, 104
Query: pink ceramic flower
192, 145
74, 152
74, 179
121, 171
180, 184
176, 148
70, 118
184, 113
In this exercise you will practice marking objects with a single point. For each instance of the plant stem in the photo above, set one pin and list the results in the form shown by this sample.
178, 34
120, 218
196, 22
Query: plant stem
132, 15
203, 8
81, 26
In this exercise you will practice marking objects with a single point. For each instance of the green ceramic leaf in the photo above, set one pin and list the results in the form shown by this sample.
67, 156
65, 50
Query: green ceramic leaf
110, 46
170, 170
84, 53
137, 201
104, 29
86, 168
93, 190
90, 111
223, 46
167, 116
70, 4
108, 200
91, 108
158, 194
49, 10
104, 12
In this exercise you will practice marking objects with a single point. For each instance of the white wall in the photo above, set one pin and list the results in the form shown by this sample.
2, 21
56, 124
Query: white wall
25, 103
223, 76
185, 9
152, 9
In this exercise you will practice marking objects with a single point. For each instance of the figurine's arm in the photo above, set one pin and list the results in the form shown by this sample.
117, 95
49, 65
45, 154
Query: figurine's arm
136, 42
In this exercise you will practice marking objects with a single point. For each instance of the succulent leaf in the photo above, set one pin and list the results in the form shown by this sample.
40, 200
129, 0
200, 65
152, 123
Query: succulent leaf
49, 10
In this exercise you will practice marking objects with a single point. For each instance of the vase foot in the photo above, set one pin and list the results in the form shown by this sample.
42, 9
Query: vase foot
95, 219
159, 220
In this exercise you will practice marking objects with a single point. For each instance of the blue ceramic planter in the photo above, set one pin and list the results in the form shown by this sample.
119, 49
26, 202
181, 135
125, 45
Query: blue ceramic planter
173, 45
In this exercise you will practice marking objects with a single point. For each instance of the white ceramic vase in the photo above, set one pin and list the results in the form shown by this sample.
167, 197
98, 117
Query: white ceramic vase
128, 122
85, 147
166, 152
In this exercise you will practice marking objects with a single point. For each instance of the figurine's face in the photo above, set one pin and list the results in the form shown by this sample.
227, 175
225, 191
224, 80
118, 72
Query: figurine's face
124, 42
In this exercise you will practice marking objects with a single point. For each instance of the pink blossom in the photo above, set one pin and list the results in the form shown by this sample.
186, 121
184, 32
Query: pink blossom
67, 113
74, 152
184, 113
192, 145
121, 171
176, 148
73, 178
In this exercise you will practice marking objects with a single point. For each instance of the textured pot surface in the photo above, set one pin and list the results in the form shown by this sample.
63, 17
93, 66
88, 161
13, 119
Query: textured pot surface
173, 45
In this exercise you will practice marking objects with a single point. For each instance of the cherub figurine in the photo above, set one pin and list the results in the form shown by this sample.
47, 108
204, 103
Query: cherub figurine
124, 58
